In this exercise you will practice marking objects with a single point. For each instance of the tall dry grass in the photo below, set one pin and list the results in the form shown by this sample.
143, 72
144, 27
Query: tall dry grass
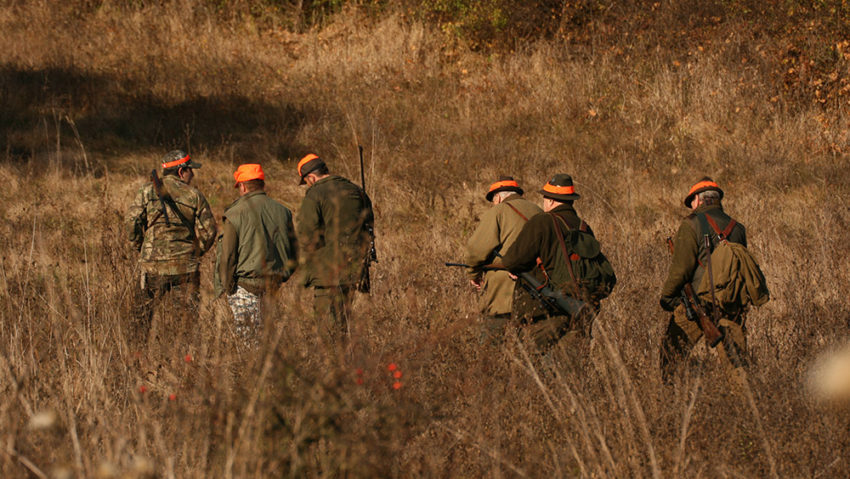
92, 100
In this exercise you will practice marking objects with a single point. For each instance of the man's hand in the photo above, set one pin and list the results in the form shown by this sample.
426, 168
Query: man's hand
669, 304
476, 282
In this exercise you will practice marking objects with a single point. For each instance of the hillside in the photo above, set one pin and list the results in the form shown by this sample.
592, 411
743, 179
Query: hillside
636, 100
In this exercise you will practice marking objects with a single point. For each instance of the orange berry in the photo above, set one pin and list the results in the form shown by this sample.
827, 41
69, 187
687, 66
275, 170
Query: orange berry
397, 385
392, 367
143, 389
172, 397
397, 374
359, 372
360, 381
188, 358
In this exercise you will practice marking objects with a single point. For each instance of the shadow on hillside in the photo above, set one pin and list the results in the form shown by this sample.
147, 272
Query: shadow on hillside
47, 110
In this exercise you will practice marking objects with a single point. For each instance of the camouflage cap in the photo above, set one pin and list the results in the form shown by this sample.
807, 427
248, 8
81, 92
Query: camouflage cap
178, 159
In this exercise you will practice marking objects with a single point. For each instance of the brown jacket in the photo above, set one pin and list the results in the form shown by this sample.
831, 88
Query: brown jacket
497, 231
538, 239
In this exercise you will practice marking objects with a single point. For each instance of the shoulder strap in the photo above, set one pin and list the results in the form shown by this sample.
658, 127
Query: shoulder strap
567, 257
516, 210
726, 232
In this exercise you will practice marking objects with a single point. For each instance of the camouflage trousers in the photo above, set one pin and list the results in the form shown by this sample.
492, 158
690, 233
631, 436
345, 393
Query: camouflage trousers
331, 308
176, 297
247, 310
682, 335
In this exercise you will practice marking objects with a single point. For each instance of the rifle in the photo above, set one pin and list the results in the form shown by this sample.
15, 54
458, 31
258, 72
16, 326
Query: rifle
695, 312
365, 284
733, 352
157, 188
555, 302
165, 198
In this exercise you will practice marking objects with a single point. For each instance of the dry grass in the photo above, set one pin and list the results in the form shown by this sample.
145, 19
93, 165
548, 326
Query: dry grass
91, 101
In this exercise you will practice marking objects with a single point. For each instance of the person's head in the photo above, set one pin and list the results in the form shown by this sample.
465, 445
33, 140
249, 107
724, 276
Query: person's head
503, 187
249, 177
704, 192
311, 169
559, 190
178, 163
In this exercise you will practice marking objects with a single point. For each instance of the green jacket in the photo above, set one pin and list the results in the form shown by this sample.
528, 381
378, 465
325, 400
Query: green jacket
689, 252
168, 244
257, 247
335, 224
497, 231
538, 239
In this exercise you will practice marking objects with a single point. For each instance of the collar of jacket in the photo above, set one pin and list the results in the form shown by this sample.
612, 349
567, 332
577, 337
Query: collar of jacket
705, 208
513, 197
246, 195
324, 180
563, 209
173, 179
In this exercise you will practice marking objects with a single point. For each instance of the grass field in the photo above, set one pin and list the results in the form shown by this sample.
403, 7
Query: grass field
92, 97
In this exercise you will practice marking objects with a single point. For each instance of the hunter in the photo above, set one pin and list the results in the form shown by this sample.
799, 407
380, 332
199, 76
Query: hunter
335, 233
497, 231
256, 251
549, 245
688, 266
170, 223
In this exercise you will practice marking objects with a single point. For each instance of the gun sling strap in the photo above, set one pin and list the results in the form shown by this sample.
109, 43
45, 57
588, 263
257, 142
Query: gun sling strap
516, 210
167, 200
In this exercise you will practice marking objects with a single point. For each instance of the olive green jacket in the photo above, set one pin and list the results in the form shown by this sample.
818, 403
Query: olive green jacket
257, 247
689, 252
497, 231
334, 228
538, 239
169, 244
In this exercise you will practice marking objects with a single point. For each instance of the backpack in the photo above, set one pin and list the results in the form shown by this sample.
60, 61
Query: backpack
738, 280
592, 274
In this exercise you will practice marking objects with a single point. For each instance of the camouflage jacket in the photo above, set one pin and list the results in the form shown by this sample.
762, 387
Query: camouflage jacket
334, 232
171, 242
689, 252
497, 231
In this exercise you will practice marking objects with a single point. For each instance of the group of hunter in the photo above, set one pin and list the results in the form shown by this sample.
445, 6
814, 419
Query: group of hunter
516, 237
257, 247
538, 268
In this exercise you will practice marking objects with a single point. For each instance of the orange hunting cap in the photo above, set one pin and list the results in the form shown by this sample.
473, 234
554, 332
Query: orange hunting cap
504, 183
705, 184
248, 172
307, 165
